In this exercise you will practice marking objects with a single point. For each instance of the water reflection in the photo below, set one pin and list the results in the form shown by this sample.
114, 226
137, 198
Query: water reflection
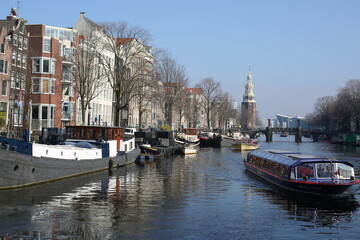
209, 196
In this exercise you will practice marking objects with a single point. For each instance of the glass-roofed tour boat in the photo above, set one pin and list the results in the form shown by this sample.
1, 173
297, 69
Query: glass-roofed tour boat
304, 173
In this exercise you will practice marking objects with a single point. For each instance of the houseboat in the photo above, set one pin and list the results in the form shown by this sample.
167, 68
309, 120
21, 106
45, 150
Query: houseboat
210, 139
304, 173
86, 149
189, 135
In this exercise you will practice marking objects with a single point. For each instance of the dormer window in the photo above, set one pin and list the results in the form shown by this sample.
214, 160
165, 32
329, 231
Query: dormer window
21, 29
15, 40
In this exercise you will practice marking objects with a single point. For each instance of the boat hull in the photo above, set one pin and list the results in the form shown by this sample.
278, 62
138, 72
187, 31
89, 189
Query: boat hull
210, 142
245, 147
21, 170
328, 189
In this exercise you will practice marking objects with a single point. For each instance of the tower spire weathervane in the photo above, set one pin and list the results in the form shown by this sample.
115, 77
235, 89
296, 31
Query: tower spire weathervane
18, 6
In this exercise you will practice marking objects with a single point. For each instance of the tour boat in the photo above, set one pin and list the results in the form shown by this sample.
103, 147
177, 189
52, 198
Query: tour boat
304, 173
87, 149
245, 144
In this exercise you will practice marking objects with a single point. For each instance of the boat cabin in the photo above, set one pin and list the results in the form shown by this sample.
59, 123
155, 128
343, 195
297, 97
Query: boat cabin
190, 134
95, 133
300, 167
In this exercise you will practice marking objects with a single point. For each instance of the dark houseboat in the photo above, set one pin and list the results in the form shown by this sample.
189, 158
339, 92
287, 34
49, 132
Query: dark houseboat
303, 173
87, 149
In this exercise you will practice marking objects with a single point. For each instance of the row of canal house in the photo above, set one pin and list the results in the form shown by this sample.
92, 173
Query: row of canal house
38, 87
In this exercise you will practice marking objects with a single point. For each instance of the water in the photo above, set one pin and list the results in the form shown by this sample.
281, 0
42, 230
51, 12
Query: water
208, 196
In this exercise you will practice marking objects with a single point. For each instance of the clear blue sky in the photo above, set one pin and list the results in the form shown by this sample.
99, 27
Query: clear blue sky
299, 50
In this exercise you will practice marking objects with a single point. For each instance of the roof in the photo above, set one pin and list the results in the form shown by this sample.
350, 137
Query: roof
122, 41
290, 158
194, 90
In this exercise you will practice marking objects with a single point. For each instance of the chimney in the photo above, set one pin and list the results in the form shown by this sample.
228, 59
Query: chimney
12, 14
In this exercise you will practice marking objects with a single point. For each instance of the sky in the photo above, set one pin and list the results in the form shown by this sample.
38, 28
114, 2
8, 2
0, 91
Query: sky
298, 50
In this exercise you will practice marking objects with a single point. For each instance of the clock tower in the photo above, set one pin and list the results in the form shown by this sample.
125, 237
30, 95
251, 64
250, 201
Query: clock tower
248, 105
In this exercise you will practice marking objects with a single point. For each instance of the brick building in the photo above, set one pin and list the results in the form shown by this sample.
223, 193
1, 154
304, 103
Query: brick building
14, 45
52, 64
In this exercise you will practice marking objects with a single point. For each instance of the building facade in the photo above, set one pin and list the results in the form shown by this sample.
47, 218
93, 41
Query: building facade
52, 98
14, 52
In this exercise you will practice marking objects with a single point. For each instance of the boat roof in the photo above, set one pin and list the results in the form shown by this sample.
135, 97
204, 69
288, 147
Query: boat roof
289, 158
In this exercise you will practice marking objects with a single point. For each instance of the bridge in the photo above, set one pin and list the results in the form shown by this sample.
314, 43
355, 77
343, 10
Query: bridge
299, 133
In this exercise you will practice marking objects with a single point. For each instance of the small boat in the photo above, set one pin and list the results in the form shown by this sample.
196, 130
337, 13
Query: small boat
246, 144
191, 149
304, 173
188, 148
87, 149
284, 134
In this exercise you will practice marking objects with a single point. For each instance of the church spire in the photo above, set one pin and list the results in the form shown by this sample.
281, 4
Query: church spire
249, 95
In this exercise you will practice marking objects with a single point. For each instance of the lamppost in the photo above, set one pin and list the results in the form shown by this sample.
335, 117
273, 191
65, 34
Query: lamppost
89, 108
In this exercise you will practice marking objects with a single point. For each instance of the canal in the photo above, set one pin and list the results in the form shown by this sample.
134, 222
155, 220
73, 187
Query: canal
208, 196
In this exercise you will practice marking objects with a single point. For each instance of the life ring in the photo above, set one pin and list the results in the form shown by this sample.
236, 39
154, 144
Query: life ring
110, 163
4, 145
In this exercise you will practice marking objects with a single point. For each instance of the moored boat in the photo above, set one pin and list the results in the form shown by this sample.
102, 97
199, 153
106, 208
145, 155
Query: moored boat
245, 144
304, 173
189, 135
209, 139
87, 149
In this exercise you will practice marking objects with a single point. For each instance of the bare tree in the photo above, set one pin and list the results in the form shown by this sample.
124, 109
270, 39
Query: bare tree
324, 111
212, 92
224, 110
132, 55
348, 102
88, 74
174, 81
182, 105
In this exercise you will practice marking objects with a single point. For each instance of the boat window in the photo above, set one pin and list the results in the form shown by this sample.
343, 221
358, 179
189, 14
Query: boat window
305, 170
70, 133
344, 171
82, 133
292, 173
323, 170
92, 133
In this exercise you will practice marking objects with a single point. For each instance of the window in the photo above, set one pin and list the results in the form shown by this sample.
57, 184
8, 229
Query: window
24, 61
25, 45
19, 57
36, 65
20, 45
36, 85
305, 170
13, 61
18, 80
67, 73
3, 87
15, 40
21, 29
23, 79
43, 85
2, 47
3, 66
13, 74
46, 45
44, 65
